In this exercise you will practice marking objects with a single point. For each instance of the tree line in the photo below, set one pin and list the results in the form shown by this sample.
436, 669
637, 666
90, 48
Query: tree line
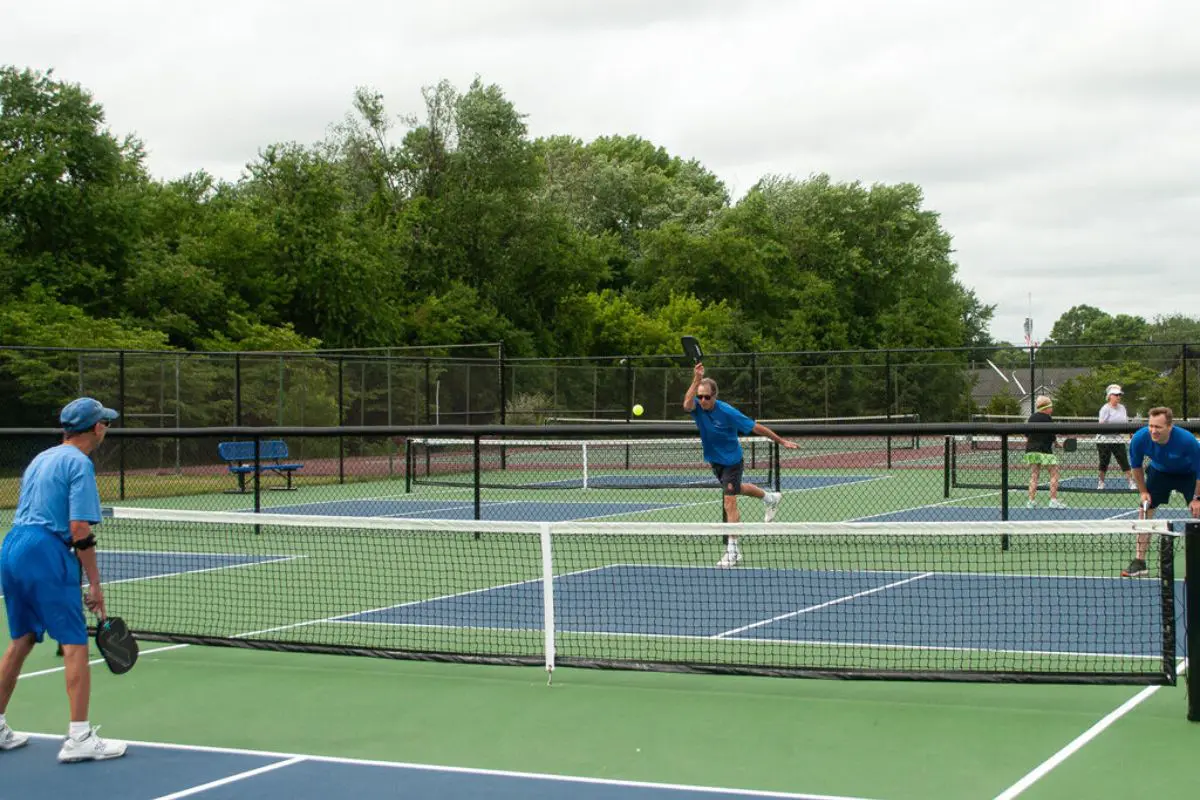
455, 226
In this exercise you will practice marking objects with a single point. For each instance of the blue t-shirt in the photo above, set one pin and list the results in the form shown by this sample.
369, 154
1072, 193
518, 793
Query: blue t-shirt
58, 486
719, 429
1181, 453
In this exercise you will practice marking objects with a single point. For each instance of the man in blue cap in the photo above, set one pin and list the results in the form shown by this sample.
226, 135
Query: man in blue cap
39, 573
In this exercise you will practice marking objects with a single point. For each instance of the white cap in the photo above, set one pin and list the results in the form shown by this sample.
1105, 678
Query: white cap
1113, 388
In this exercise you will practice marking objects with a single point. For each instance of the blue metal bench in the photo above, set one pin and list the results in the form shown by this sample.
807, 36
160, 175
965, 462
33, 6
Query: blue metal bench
272, 456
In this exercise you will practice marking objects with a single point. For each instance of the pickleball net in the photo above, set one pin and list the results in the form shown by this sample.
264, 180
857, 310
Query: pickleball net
890, 600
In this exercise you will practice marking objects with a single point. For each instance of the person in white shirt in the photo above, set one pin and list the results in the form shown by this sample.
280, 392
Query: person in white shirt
1111, 446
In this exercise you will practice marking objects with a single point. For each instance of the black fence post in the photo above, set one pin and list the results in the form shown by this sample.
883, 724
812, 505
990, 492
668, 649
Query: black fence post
478, 480
1032, 377
1184, 362
428, 399
628, 362
257, 473
237, 389
888, 391
1004, 486
341, 403
124, 411
503, 401
947, 457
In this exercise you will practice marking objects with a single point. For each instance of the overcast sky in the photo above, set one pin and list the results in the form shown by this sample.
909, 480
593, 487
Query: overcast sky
1059, 140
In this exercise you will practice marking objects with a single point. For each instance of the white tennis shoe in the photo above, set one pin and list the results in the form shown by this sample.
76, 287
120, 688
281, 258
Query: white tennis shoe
772, 500
11, 740
730, 559
90, 748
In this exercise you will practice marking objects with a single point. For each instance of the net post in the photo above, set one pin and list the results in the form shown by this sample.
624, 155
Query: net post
1166, 577
257, 479
478, 479
408, 465
585, 462
1192, 615
946, 467
1004, 487
548, 598
776, 465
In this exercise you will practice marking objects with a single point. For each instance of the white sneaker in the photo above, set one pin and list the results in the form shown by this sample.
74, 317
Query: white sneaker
730, 559
1100, 486
11, 740
1133, 485
772, 500
1056, 503
90, 748
1030, 504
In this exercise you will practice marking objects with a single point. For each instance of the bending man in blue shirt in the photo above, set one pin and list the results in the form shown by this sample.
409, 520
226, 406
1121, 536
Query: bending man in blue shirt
39, 573
1174, 466
719, 424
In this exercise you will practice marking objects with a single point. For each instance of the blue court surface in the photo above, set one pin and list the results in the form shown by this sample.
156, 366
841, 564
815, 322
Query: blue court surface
1092, 616
166, 772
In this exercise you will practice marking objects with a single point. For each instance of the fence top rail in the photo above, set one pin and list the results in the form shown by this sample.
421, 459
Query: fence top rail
614, 430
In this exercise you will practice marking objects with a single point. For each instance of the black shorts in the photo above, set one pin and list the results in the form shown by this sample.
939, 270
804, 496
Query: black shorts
730, 476
1161, 484
1111, 450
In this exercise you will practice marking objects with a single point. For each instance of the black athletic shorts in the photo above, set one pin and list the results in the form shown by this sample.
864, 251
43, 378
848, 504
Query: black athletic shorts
730, 476
1161, 484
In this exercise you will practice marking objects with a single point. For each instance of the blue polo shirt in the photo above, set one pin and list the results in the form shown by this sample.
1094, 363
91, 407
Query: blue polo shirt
1180, 455
719, 429
58, 486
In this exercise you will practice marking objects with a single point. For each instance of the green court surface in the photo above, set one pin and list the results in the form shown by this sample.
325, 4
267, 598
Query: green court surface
845, 739
877, 740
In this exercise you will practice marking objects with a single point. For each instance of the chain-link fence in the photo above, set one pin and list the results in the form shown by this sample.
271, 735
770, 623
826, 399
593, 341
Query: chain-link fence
480, 386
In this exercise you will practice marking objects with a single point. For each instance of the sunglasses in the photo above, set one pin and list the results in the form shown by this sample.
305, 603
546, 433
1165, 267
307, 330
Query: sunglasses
704, 397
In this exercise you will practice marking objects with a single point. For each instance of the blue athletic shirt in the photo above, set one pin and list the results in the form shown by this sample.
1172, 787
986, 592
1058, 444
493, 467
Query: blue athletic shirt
58, 487
1180, 455
719, 429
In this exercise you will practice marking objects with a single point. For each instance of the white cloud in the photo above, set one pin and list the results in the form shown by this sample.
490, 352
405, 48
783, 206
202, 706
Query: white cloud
1057, 140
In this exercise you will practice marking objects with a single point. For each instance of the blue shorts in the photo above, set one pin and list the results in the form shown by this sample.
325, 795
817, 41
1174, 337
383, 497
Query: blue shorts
39, 576
1160, 485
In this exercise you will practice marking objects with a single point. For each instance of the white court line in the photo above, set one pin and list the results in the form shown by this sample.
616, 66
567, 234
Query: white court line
538, 776
468, 506
1041, 770
912, 509
819, 606
95, 661
467, 593
241, 776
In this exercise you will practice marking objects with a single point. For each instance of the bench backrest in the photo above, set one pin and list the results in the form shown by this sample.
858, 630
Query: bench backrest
244, 451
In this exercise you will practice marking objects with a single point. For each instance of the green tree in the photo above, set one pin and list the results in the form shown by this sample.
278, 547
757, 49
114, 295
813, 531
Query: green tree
70, 193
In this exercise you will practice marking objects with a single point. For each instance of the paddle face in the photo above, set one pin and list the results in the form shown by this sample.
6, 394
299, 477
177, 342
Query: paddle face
116, 644
691, 348
1070, 445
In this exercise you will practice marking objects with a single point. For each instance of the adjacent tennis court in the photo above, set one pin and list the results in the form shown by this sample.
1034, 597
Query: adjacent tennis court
442, 573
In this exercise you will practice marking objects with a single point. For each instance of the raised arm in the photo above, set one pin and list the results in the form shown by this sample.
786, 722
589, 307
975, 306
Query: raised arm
689, 399
763, 430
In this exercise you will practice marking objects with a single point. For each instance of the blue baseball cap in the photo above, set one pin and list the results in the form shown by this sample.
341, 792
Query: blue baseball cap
82, 414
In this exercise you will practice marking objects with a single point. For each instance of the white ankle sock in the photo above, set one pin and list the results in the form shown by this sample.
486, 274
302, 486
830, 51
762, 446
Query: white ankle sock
3, 721
78, 730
